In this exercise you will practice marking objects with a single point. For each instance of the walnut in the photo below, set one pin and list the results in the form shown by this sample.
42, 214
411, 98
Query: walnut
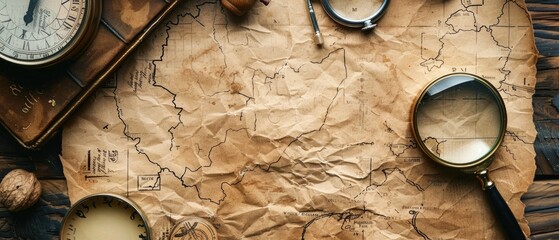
19, 190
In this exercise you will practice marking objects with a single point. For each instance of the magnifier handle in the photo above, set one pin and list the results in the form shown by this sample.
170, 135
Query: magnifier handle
500, 208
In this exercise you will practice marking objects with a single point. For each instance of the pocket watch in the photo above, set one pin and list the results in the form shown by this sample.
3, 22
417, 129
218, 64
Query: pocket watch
39, 33
105, 216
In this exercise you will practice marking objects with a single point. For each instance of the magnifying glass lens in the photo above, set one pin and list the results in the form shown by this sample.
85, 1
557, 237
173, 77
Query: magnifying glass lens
460, 120
355, 9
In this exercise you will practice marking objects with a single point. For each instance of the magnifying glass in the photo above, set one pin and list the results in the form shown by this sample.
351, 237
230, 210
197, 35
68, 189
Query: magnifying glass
351, 13
459, 121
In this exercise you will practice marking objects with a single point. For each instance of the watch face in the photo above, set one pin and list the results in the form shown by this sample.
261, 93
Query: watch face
38, 32
105, 216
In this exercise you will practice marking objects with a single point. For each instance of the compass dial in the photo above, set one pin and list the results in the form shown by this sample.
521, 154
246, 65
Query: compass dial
105, 216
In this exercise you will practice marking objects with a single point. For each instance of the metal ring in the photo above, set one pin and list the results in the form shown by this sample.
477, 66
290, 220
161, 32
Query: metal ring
365, 24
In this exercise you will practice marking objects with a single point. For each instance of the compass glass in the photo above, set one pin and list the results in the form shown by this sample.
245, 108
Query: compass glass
356, 9
105, 216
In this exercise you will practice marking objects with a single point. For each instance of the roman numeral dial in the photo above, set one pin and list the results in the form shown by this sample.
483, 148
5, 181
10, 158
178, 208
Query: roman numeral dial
42, 33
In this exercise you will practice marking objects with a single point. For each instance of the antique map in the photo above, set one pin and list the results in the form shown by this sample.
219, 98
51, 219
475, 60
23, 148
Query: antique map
246, 123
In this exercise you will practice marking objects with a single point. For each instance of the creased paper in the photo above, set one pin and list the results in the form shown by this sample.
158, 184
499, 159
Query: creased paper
247, 123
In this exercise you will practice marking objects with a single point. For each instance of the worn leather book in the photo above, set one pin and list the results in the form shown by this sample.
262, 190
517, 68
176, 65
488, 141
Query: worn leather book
35, 103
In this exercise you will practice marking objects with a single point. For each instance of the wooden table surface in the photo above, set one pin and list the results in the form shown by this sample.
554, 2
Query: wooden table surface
42, 221
542, 199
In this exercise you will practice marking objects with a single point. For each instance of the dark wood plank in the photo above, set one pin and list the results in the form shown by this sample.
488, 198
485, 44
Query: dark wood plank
545, 17
542, 209
542, 199
546, 120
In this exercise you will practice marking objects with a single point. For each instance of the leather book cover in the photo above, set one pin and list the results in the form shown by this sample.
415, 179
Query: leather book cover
35, 103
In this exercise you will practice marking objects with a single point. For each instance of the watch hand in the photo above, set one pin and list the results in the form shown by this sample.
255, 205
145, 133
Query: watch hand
28, 18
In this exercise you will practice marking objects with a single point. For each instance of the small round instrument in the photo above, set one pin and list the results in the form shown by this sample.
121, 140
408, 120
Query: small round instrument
105, 216
355, 13
351, 13
36, 33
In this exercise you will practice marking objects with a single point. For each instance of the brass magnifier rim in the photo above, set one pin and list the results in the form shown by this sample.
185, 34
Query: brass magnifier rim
484, 161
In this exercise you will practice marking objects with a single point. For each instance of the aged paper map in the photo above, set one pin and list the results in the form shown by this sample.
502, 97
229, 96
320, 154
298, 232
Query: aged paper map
247, 123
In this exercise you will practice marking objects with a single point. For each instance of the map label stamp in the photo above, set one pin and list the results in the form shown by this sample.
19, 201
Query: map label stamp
149, 183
